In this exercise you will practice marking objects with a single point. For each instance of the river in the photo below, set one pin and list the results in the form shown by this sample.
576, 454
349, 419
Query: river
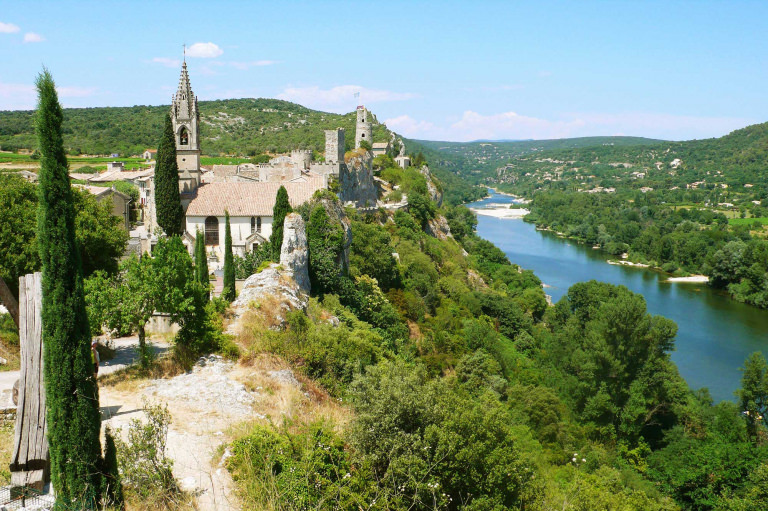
715, 333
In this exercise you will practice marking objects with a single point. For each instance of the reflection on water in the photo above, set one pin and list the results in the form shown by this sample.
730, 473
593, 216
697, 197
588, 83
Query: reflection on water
715, 333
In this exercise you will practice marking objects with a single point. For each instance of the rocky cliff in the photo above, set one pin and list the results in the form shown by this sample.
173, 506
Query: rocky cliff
356, 180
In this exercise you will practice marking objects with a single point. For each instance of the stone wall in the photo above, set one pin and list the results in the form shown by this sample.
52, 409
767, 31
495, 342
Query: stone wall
334, 145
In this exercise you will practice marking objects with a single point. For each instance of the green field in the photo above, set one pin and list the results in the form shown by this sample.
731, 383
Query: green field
223, 160
748, 221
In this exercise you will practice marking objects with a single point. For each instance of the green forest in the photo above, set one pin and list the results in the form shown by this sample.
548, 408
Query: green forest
461, 387
695, 207
244, 127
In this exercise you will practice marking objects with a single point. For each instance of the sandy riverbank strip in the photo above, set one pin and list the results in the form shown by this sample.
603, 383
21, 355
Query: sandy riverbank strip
693, 279
628, 263
501, 212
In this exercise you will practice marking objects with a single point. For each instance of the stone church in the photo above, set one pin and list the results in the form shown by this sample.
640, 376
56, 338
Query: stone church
249, 193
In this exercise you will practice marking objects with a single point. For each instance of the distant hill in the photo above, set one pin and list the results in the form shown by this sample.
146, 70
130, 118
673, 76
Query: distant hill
478, 160
232, 126
736, 159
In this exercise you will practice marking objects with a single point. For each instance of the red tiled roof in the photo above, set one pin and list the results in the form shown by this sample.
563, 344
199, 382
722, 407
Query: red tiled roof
248, 199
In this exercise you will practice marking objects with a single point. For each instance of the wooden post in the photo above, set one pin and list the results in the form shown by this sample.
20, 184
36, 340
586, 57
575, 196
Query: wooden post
7, 299
30, 464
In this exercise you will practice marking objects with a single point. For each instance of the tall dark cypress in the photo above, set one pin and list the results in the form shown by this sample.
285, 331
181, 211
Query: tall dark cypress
201, 262
113, 486
170, 214
74, 422
228, 293
281, 209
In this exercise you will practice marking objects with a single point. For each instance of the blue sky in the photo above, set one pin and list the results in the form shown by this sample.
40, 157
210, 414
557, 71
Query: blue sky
436, 70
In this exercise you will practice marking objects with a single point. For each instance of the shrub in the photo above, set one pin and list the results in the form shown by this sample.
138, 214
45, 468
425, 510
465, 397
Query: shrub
145, 468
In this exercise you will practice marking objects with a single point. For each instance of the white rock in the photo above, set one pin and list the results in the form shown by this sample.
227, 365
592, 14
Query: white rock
294, 252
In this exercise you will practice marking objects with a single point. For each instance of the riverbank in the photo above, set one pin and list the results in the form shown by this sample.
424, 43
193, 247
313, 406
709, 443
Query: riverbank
715, 332
693, 279
501, 212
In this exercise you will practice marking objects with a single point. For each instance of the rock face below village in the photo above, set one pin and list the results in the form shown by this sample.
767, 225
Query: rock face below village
357, 184
285, 286
294, 253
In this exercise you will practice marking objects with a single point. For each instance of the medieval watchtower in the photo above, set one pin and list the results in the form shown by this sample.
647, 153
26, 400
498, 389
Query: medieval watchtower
334, 145
186, 119
364, 131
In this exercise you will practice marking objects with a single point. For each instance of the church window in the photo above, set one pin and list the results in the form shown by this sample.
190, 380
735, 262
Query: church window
212, 231
255, 224
184, 136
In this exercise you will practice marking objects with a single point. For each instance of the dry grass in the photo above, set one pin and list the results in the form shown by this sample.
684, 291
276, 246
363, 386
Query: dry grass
6, 451
183, 502
130, 378
280, 401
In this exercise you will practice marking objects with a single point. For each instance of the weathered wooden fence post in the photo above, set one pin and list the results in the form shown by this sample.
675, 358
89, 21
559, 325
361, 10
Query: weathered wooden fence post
30, 464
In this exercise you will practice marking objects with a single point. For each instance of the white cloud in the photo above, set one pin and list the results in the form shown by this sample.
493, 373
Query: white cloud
407, 124
167, 62
511, 125
340, 98
31, 37
204, 50
76, 92
8, 28
17, 96
20, 96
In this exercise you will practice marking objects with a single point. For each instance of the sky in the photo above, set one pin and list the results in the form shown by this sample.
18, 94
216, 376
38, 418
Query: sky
438, 70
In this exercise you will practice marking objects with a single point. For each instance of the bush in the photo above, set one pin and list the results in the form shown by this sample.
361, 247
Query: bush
306, 469
146, 470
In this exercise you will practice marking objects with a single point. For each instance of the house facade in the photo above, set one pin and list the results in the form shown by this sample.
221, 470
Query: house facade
250, 207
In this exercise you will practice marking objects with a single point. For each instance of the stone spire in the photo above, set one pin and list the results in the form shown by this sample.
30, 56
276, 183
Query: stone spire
184, 102
186, 128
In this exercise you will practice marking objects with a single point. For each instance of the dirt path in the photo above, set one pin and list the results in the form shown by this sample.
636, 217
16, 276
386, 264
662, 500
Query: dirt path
203, 404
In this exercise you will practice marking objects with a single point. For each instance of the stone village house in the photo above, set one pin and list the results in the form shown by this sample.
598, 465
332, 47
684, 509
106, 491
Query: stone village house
247, 194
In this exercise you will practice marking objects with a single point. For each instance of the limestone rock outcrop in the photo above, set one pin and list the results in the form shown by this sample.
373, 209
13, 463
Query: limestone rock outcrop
438, 228
356, 180
279, 288
273, 286
434, 192
294, 253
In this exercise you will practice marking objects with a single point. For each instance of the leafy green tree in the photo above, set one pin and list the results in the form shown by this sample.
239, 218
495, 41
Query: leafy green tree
74, 422
228, 293
753, 394
371, 254
279, 211
326, 242
253, 260
170, 214
100, 237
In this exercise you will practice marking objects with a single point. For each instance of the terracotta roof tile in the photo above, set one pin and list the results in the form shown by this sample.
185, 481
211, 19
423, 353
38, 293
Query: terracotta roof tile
248, 199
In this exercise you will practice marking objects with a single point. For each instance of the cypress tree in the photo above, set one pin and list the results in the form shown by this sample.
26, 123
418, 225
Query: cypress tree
201, 262
113, 486
74, 422
228, 293
170, 214
279, 212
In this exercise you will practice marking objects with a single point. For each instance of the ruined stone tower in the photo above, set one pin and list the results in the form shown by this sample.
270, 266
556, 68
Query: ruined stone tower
334, 146
364, 131
186, 119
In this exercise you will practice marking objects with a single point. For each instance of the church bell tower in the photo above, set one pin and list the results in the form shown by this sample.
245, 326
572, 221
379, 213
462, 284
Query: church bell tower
186, 119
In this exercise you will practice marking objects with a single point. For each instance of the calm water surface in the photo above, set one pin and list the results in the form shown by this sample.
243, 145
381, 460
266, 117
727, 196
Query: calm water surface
715, 334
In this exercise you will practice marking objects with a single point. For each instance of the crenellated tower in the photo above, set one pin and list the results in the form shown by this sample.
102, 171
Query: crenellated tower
186, 127
363, 130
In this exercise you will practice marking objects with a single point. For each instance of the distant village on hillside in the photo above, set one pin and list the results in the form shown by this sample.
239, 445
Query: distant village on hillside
247, 191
